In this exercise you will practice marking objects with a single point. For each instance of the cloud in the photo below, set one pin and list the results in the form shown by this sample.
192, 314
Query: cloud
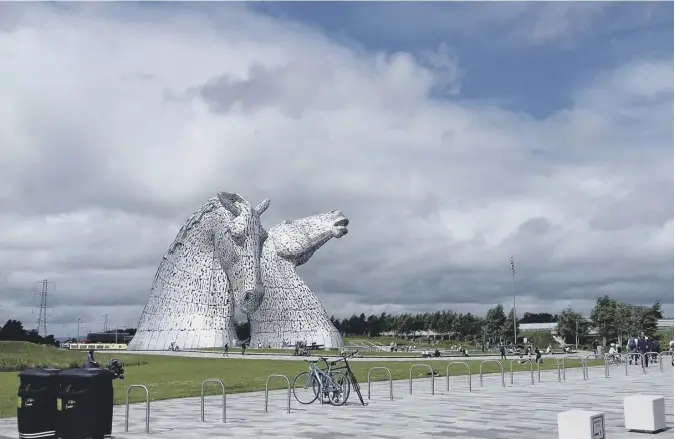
120, 120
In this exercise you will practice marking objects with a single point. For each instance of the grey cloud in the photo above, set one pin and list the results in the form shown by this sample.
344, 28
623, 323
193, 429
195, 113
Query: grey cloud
439, 193
638, 208
259, 89
535, 226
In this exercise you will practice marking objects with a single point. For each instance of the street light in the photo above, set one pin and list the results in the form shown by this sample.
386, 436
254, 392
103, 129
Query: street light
78, 329
515, 328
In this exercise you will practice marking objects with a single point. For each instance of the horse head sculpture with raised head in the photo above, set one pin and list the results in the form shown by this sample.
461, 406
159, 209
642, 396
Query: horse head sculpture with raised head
297, 240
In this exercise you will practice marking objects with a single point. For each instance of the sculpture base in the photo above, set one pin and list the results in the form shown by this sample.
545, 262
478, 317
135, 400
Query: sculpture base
185, 340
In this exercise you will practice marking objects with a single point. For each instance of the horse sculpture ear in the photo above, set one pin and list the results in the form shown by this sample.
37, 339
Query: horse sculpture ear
231, 202
262, 207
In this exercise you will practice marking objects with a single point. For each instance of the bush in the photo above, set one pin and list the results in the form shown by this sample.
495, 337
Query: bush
16, 356
540, 339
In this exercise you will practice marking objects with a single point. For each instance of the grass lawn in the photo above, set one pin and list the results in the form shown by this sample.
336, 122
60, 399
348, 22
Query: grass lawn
175, 377
320, 353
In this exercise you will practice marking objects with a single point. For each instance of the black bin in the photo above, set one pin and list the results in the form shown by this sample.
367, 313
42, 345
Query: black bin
85, 404
36, 403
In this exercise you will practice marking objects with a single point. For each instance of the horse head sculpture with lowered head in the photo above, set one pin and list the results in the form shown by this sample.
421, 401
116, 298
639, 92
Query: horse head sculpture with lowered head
238, 242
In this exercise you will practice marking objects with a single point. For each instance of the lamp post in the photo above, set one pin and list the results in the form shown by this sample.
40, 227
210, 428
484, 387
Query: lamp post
515, 326
78, 329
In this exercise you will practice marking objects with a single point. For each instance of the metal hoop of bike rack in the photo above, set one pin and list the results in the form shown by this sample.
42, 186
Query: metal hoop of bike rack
635, 354
583, 366
391, 384
430, 370
660, 359
596, 356
480, 371
213, 380
649, 355
288, 386
531, 369
557, 363
447, 372
147, 408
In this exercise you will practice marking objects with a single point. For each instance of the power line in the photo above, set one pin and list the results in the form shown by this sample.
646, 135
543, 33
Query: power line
43, 307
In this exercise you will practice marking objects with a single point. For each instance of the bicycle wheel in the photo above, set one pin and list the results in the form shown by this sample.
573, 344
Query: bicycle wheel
337, 395
305, 388
347, 387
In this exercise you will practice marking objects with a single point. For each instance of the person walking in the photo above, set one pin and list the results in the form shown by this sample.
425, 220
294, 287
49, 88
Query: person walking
502, 352
537, 357
631, 347
226, 350
643, 347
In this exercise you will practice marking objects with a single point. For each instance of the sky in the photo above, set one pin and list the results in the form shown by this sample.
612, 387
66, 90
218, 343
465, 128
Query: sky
452, 135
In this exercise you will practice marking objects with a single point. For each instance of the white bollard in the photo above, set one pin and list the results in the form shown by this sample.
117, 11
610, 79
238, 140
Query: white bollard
581, 424
644, 413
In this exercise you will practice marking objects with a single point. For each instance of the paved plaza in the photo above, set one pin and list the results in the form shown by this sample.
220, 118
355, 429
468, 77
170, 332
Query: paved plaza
518, 411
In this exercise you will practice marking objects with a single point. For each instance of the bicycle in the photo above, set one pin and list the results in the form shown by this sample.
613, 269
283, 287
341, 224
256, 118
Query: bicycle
348, 372
614, 359
330, 386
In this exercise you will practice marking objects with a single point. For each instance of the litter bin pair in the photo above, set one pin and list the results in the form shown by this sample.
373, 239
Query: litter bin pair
65, 404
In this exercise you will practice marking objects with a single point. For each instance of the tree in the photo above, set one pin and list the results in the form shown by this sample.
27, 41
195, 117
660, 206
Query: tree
507, 329
605, 317
13, 330
494, 321
541, 317
571, 325
648, 318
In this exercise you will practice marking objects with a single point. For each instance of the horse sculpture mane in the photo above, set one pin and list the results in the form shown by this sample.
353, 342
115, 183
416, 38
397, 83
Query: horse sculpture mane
191, 223
191, 302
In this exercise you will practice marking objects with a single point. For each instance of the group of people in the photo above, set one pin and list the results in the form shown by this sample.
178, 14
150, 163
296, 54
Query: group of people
648, 347
529, 350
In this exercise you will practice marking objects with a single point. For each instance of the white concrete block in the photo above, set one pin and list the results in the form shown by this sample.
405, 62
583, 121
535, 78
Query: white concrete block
645, 413
581, 424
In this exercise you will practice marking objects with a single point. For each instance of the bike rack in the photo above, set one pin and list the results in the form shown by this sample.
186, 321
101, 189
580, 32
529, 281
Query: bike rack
480, 371
147, 408
642, 361
447, 372
391, 384
213, 380
430, 370
605, 363
288, 386
660, 359
531, 369
649, 355
583, 366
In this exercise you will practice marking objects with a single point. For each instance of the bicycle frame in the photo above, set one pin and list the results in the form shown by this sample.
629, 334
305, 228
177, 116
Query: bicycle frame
326, 382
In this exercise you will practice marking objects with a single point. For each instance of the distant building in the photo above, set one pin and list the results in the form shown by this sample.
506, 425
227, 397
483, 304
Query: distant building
662, 325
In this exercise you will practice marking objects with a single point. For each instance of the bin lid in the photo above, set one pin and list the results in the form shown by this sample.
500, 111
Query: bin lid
39, 373
87, 373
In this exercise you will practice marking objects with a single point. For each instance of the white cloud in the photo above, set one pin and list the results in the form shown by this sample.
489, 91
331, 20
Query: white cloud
118, 123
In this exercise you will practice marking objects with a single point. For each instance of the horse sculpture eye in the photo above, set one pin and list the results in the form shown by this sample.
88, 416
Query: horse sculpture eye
240, 240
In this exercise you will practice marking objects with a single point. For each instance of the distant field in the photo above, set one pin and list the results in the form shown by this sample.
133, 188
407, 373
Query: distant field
175, 377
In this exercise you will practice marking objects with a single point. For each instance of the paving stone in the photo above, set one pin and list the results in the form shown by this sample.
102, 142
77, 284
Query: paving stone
491, 412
